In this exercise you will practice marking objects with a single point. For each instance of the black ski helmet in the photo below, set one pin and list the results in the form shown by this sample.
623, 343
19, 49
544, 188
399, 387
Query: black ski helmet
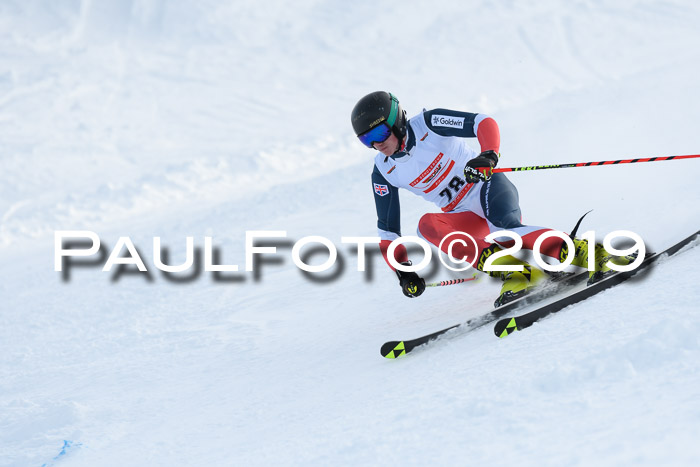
378, 107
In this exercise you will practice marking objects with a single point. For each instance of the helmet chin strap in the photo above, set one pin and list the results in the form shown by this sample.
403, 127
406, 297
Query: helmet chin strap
401, 144
400, 135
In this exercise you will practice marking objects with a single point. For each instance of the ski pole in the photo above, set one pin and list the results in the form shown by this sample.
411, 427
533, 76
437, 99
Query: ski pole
451, 282
589, 164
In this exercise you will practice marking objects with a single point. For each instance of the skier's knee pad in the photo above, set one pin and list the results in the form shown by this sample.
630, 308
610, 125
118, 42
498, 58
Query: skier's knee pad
506, 220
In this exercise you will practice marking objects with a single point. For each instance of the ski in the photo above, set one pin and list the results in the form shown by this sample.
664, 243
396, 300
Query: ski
395, 349
506, 326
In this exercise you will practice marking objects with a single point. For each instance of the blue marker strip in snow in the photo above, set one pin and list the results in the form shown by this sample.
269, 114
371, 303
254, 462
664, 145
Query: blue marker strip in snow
68, 446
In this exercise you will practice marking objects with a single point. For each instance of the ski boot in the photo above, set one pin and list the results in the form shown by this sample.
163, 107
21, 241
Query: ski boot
601, 258
516, 284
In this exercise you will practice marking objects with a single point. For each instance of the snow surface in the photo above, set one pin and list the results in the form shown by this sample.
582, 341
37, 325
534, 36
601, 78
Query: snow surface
150, 118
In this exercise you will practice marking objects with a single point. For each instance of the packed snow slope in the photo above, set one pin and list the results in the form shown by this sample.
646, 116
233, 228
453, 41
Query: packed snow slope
173, 119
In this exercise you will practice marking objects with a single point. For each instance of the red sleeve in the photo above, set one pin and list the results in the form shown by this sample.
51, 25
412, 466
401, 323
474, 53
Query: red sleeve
488, 135
400, 253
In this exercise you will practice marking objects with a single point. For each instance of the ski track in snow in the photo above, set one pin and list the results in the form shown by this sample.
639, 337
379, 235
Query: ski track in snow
151, 118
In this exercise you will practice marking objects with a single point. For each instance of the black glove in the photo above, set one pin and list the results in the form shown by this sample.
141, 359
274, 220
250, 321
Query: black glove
412, 284
481, 167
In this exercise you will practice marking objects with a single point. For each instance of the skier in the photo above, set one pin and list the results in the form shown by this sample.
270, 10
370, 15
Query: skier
428, 156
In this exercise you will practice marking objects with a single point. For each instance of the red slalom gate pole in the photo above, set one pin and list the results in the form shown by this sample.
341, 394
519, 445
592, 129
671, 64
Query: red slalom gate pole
590, 164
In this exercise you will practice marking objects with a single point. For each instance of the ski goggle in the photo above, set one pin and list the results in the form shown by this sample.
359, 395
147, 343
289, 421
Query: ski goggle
378, 134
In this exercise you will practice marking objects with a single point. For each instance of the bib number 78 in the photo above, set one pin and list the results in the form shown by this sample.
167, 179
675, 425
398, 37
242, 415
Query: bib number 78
455, 184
